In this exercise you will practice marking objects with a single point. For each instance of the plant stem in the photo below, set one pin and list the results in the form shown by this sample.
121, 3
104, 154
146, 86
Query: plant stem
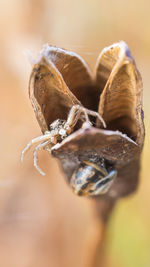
96, 236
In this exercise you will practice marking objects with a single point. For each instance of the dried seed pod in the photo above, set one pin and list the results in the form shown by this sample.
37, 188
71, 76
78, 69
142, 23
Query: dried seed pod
61, 79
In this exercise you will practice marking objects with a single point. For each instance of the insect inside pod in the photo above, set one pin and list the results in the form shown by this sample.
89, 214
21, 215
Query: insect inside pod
93, 124
92, 178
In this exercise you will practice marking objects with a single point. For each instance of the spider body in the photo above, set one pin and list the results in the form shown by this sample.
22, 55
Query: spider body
60, 129
91, 179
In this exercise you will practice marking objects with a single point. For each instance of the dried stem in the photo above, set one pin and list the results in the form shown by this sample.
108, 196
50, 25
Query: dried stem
97, 233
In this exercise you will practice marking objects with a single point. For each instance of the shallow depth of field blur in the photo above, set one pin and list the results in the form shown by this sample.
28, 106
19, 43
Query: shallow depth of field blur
42, 224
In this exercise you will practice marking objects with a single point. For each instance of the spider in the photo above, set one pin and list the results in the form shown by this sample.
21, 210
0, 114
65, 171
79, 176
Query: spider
60, 129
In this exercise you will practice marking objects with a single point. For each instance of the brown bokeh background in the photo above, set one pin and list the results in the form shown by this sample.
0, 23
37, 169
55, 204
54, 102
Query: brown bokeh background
42, 224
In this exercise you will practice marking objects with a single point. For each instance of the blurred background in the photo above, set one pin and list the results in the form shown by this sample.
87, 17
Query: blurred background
42, 224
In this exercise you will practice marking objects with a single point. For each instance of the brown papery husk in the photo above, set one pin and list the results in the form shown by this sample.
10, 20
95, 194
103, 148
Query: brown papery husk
61, 79
121, 99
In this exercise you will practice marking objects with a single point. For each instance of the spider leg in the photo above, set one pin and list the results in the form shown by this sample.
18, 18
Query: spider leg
35, 158
35, 141
95, 114
75, 115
